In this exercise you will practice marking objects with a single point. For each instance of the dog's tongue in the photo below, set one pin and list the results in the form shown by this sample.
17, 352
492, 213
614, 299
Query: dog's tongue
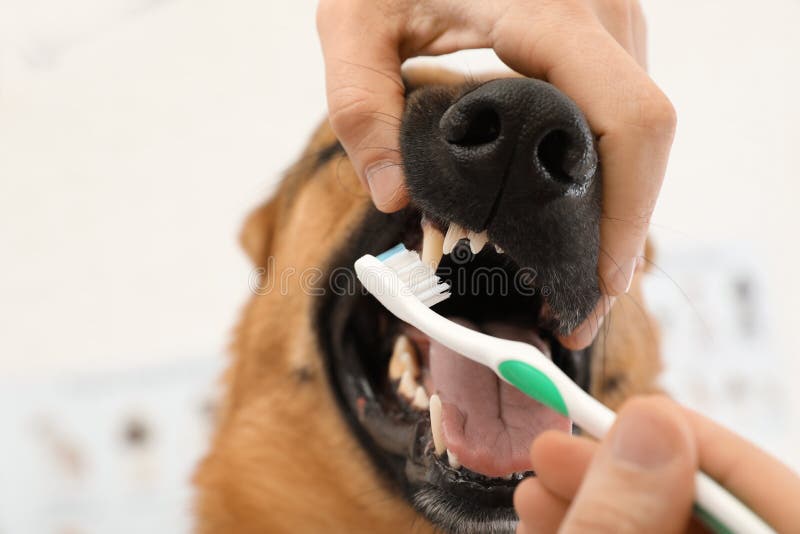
488, 424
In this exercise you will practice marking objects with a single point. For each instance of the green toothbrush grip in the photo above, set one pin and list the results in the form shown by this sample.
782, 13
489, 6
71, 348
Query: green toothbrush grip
533, 383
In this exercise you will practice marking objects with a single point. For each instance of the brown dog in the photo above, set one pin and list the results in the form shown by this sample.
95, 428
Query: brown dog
312, 434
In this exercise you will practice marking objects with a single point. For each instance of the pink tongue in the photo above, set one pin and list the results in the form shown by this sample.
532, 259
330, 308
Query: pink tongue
488, 424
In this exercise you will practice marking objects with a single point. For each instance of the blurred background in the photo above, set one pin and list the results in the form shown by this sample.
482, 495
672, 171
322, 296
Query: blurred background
136, 134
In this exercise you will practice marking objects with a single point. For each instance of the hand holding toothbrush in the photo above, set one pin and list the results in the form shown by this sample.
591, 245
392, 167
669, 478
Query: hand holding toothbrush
639, 478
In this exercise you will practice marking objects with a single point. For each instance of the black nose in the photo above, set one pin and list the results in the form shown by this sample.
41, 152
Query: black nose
514, 157
522, 132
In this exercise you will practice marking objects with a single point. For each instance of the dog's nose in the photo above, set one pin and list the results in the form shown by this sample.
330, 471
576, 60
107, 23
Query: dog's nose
522, 133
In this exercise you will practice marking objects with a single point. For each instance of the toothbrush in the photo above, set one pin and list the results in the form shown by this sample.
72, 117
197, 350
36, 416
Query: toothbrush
408, 288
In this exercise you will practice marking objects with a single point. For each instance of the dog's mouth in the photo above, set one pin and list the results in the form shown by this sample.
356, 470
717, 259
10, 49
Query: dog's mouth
454, 436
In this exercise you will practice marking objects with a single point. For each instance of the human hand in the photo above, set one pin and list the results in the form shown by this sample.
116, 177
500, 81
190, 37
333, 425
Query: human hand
640, 478
593, 50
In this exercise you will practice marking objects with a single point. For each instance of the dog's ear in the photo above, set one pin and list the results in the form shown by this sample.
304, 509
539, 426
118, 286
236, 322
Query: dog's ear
258, 232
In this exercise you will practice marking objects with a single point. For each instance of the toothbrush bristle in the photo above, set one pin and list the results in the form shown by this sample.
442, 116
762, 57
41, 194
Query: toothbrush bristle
420, 278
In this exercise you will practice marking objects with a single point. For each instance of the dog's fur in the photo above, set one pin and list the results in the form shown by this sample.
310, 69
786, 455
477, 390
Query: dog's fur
283, 458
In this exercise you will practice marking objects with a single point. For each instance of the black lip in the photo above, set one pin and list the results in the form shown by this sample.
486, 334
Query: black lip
397, 440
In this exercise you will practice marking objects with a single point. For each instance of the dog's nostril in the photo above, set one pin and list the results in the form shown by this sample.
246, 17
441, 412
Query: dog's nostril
563, 161
551, 152
479, 129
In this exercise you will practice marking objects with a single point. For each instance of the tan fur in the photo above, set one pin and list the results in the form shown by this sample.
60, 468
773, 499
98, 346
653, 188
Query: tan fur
282, 458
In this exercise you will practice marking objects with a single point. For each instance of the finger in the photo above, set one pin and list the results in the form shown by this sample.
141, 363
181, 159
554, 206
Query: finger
623, 19
760, 481
539, 510
615, 16
584, 334
642, 476
365, 94
629, 196
634, 120
560, 462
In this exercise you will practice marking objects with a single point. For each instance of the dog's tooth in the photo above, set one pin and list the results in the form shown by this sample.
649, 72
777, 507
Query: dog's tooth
435, 407
508, 476
477, 241
403, 359
420, 399
454, 234
498, 249
407, 386
432, 245
452, 459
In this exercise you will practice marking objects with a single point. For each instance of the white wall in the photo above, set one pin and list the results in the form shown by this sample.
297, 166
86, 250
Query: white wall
732, 69
133, 139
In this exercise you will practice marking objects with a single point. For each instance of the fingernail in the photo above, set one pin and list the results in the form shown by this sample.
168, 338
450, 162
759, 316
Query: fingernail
639, 440
584, 334
618, 279
384, 179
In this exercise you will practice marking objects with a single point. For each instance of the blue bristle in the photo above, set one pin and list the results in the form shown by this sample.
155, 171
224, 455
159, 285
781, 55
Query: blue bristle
397, 249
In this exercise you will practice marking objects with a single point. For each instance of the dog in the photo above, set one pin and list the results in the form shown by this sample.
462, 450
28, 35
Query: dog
312, 434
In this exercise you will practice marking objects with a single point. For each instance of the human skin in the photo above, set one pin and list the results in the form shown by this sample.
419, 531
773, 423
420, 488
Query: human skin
592, 50
640, 478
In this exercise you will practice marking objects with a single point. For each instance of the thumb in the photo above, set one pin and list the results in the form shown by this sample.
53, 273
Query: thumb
365, 95
642, 476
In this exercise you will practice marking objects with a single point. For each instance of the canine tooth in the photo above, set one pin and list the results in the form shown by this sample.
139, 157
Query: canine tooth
407, 385
435, 407
432, 245
498, 249
454, 234
452, 459
420, 399
477, 241
402, 359
508, 476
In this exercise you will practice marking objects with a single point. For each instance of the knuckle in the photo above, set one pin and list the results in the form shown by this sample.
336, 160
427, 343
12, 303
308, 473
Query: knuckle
654, 113
349, 108
661, 116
